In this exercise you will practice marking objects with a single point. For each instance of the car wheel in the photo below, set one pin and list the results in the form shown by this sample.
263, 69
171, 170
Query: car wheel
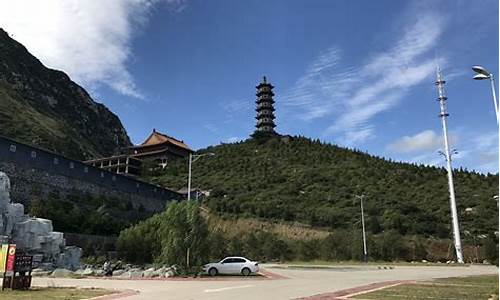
212, 272
246, 271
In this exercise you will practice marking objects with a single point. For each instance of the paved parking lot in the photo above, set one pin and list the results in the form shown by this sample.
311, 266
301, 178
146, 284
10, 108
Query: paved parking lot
298, 282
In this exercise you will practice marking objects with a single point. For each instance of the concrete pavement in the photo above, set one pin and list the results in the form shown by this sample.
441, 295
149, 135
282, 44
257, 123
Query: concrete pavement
298, 282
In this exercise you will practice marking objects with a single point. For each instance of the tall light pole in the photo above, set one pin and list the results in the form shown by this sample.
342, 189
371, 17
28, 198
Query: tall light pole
453, 206
483, 74
192, 159
365, 252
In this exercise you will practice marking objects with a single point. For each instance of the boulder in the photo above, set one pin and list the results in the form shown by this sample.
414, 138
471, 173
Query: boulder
132, 273
40, 273
87, 272
70, 258
169, 273
135, 273
148, 273
33, 235
118, 272
159, 272
61, 273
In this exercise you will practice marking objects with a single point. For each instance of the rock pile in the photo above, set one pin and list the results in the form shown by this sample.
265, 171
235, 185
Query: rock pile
33, 235
128, 272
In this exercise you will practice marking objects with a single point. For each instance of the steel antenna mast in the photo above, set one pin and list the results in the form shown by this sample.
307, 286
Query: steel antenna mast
443, 115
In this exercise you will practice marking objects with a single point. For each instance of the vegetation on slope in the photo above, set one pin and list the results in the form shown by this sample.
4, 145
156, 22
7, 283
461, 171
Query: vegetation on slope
301, 180
166, 237
77, 213
43, 107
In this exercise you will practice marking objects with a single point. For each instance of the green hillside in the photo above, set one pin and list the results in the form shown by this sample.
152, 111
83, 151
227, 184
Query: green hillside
301, 180
43, 107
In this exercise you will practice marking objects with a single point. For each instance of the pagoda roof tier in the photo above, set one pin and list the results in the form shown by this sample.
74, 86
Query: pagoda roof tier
259, 100
262, 92
264, 107
156, 138
262, 117
266, 124
264, 84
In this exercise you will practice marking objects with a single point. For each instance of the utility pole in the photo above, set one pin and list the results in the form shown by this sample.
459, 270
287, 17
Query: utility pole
365, 252
189, 177
192, 159
443, 115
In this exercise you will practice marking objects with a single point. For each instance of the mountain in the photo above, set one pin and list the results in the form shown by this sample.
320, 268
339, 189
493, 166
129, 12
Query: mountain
297, 179
43, 107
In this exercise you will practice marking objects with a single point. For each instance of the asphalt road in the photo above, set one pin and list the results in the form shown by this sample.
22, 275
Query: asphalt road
299, 282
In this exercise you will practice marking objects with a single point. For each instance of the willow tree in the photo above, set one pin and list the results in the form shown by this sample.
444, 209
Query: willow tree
183, 235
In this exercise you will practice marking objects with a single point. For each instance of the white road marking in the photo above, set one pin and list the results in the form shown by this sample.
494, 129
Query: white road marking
227, 288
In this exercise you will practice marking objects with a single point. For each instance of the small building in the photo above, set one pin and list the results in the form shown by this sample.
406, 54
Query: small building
157, 149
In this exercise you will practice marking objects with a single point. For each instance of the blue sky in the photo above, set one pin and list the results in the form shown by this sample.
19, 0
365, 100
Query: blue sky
355, 73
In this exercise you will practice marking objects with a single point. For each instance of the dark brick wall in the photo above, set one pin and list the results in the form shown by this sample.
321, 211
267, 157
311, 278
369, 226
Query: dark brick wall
31, 168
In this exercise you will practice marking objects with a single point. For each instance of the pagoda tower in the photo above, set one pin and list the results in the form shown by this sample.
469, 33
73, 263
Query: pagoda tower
265, 108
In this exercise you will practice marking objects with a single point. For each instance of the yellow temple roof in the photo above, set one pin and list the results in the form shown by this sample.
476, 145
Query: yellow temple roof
156, 138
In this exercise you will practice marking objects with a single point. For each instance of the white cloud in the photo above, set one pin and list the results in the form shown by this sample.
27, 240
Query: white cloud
476, 152
485, 147
322, 82
90, 40
357, 94
426, 140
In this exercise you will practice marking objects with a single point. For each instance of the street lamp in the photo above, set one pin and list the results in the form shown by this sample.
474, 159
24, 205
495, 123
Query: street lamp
365, 253
192, 159
483, 74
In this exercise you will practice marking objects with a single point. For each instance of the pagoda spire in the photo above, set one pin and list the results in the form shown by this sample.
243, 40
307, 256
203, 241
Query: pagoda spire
265, 108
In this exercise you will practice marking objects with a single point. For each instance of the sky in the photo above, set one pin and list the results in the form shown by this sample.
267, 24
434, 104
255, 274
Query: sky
359, 74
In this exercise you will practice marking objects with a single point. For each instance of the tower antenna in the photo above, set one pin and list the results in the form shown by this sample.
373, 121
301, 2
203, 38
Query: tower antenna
443, 115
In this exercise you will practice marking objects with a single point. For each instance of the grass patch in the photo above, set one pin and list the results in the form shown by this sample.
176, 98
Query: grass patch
53, 293
475, 287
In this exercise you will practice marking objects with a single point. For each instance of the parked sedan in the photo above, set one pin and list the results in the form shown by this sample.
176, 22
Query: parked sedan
232, 265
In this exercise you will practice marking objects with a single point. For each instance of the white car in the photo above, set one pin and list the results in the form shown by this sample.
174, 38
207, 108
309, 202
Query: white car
232, 265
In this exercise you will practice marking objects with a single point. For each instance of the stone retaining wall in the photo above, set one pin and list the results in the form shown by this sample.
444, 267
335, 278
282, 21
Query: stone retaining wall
38, 172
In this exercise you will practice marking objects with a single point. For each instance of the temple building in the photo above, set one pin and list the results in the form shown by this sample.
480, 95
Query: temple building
157, 149
265, 108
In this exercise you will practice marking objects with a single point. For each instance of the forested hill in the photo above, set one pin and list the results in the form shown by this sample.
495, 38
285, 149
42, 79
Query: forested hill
43, 107
298, 179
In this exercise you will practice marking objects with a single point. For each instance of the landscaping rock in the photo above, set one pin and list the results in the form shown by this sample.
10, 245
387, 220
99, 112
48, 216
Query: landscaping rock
132, 273
46, 266
135, 273
118, 272
169, 273
159, 272
87, 272
148, 273
61, 273
40, 273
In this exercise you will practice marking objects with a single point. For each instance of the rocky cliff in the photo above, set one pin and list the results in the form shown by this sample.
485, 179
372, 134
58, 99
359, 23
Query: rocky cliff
43, 107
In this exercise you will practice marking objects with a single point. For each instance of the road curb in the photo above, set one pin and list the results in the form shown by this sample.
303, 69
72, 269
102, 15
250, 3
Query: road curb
348, 293
265, 275
119, 295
